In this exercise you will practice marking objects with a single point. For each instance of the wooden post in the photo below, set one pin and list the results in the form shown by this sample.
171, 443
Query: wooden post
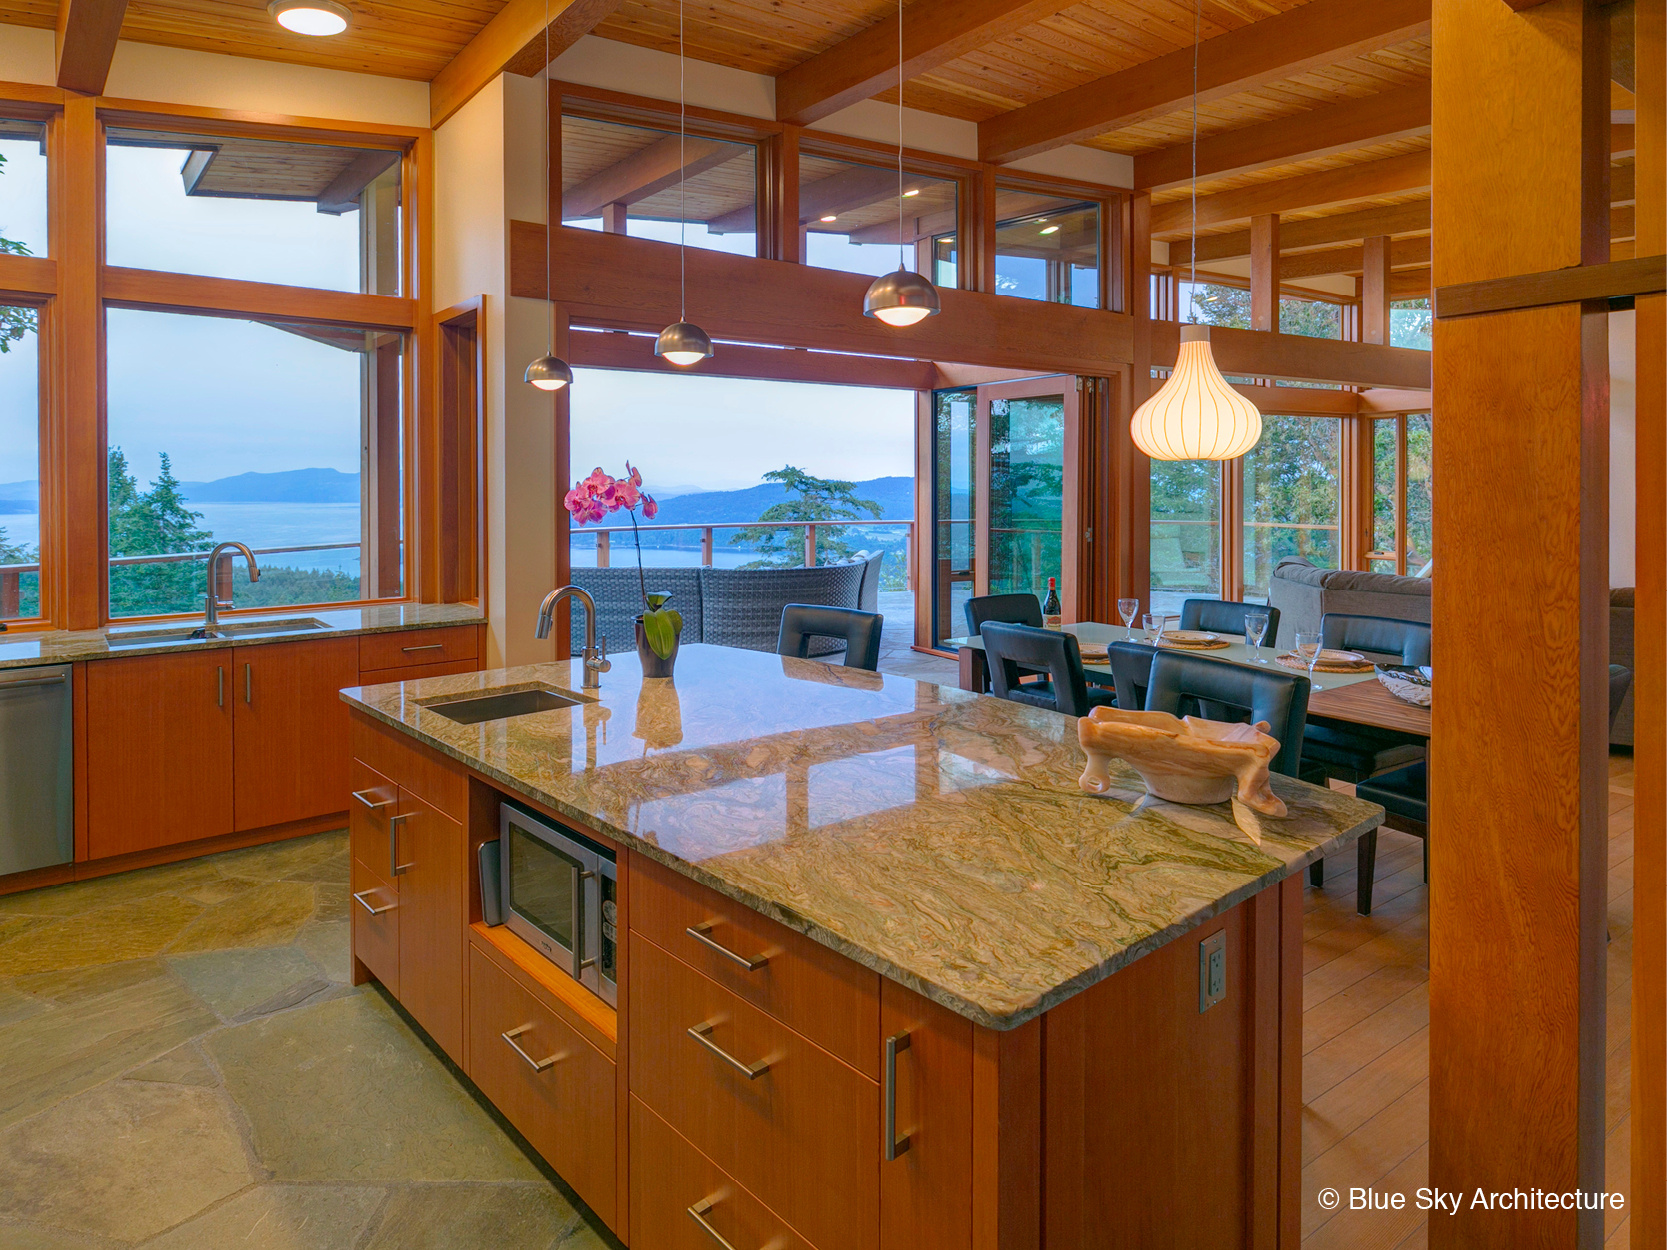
1649, 690
1374, 292
604, 548
810, 546
1130, 477
706, 547
79, 575
1264, 273
614, 217
1519, 833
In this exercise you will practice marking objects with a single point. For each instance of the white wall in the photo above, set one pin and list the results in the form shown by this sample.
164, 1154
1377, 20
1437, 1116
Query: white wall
142, 71
1623, 450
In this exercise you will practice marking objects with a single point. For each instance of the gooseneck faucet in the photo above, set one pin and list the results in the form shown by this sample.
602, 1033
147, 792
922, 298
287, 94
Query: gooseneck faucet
212, 603
595, 656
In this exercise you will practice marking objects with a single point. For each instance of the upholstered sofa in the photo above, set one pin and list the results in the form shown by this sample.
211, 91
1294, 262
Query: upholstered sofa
728, 607
1303, 594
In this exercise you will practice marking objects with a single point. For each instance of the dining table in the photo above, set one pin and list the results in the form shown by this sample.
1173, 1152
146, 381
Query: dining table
1357, 698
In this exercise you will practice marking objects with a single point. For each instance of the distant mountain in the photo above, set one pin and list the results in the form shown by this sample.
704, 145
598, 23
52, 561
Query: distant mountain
293, 486
30, 490
895, 495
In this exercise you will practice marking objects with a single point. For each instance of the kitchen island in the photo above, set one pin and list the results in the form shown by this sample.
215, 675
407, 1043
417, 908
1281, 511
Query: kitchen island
887, 976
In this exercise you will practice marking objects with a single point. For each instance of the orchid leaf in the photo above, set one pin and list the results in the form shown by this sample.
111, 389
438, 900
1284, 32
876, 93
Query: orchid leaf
661, 626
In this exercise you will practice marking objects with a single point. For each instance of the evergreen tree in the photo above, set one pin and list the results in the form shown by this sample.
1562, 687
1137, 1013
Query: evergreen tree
818, 499
149, 523
15, 322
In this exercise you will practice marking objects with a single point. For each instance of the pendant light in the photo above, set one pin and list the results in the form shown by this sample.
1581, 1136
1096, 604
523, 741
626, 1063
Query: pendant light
549, 372
682, 343
901, 298
1196, 414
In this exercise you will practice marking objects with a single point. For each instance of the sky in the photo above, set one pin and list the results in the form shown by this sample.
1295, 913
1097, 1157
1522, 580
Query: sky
224, 397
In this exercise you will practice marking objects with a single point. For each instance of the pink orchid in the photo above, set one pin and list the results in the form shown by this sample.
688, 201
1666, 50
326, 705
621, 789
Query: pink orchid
650, 509
596, 496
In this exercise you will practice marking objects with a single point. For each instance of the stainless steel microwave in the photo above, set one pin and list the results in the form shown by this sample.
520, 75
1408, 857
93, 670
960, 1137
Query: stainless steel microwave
560, 893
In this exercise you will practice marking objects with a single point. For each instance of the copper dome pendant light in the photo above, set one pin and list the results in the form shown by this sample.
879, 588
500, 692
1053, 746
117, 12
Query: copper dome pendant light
682, 343
549, 372
900, 298
1196, 414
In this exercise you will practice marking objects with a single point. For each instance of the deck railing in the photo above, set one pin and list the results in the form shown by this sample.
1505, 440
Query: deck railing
604, 538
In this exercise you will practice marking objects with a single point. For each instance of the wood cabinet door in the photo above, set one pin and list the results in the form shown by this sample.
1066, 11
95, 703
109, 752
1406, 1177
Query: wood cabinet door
159, 750
290, 729
376, 927
431, 850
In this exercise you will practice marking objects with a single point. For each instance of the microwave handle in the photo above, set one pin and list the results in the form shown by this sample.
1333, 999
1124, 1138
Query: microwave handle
581, 935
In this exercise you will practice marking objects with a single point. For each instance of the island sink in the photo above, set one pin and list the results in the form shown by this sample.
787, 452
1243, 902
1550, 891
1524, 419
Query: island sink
500, 706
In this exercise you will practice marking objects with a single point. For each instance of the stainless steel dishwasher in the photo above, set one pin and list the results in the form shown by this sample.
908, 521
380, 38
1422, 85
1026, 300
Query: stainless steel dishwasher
37, 766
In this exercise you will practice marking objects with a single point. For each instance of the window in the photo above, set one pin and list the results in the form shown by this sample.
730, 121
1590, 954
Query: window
1027, 493
22, 188
1401, 496
20, 416
651, 184
1410, 324
1047, 248
1220, 305
1292, 497
1186, 532
955, 501
284, 437
849, 217
300, 214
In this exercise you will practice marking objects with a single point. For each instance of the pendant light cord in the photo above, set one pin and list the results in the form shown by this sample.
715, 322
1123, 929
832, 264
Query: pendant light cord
1197, 37
900, 244
549, 207
682, 174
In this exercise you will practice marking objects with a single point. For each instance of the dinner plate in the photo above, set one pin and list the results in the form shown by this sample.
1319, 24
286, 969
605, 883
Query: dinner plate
1191, 635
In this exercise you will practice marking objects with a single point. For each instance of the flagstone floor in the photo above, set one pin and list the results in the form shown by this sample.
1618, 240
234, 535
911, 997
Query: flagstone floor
183, 1066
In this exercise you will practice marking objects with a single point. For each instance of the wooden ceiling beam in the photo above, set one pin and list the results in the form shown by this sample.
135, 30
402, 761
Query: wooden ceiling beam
1394, 175
866, 64
1402, 113
1352, 227
646, 172
517, 40
1405, 284
1403, 254
87, 34
1320, 33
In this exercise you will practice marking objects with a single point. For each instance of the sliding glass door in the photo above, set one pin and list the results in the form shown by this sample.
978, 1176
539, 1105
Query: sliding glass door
1005, 506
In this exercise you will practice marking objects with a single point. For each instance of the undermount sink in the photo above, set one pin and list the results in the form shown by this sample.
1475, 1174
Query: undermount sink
498, 706
225, 629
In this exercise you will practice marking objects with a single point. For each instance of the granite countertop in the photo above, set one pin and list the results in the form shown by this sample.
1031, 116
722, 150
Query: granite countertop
18, 649
935, 836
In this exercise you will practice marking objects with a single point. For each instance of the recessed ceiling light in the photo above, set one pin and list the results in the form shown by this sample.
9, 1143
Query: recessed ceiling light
911, 191
1050, 229
310, 17
831, 217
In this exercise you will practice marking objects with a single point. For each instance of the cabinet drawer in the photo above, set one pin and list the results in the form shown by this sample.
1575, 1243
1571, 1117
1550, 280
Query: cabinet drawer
419, 646
805, 1132
376, 926
669, 1177
565, 1107
374, 799
830, 999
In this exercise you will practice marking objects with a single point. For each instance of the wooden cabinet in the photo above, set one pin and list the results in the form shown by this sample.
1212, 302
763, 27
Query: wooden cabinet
757, 1099
429, 849
159, 750
546, 1079
376, 926
372, 799
445, 645
672, 1183
290, 730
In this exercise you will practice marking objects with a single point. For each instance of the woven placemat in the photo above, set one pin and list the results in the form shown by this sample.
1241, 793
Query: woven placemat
1217, 645
1325, 666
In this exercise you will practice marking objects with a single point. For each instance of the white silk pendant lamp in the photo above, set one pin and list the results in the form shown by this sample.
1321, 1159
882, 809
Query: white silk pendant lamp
1196, 414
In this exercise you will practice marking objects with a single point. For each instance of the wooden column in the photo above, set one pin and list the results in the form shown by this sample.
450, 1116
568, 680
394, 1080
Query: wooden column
1649, 883
1357, 517
80, 573
1519, 755
1264, 273
978, 234
614, 218
1374, 292
779, 234
1130, 474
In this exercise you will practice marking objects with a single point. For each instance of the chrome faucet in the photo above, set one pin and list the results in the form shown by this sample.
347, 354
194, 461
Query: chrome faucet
212, 603
595, 656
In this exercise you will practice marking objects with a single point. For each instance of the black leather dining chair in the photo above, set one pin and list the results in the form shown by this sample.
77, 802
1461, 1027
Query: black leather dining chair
800, 622
1226, 616
1376, 635
1358, 752
1131, 670
1235, 693
1013, 609
1404, 796
1015, 651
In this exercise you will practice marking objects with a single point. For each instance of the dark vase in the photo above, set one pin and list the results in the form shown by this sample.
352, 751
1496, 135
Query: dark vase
653, 665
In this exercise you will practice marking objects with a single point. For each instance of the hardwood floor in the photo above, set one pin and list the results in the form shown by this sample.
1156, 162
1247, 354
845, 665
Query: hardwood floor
1365, 1079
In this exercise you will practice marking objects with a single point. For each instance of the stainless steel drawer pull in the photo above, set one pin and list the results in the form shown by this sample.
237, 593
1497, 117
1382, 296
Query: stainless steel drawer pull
360, 795
701, 933
893, 1146
433, 646
32, 682
248, 683
219, 686
375, 911
537, 1065
701, 1210
702, 1033
394, 866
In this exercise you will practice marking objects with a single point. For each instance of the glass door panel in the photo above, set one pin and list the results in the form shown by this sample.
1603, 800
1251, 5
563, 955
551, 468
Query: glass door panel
954, 509
1186, 533
1293, 495
1027, 493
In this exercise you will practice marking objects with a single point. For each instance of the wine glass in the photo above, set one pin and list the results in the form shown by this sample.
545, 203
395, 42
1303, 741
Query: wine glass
1256, 629
1126, 608
1308, 651
1155, 621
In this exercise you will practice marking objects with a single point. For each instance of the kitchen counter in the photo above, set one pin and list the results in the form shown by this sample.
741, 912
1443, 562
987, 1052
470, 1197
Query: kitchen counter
18, 649
935, 836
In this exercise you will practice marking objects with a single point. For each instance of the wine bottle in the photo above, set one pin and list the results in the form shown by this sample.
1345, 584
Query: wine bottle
1052, 614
